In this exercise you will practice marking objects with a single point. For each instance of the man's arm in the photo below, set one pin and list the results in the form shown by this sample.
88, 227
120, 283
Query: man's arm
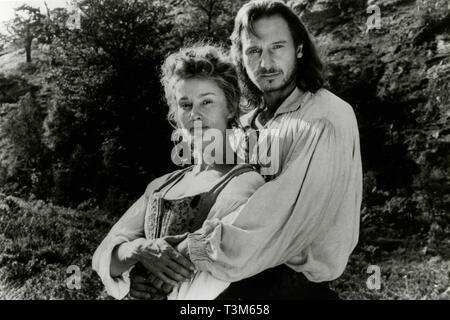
227, 206
308, 217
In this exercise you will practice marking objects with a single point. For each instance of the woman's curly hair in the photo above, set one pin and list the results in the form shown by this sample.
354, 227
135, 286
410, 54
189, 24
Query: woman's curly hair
200, 61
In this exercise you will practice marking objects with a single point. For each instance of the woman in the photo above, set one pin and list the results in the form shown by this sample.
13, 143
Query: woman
201, 88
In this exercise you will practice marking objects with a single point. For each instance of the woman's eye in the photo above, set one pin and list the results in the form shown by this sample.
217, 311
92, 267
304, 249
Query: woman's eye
205, 102
277, 46
185, 106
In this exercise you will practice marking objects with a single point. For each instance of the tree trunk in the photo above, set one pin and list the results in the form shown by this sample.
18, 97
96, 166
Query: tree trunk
28, 41
28, 51
210, 16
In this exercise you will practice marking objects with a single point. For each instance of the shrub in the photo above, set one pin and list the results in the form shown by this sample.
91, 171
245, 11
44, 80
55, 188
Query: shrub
39, 241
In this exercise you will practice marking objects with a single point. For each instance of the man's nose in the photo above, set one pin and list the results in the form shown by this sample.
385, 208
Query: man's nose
266, 60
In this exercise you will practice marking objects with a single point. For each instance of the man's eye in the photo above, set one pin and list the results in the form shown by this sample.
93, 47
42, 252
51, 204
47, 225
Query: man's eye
205, 102
252, 51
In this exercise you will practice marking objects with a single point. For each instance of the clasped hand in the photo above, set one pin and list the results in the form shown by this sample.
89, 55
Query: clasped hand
161, 267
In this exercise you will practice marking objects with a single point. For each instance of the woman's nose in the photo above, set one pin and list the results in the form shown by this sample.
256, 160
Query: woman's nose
195, 114
195, 117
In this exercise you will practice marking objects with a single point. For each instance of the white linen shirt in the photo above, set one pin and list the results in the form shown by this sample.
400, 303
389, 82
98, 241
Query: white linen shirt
307, 216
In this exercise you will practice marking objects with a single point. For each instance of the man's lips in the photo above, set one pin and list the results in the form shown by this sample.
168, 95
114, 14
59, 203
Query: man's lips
269, 75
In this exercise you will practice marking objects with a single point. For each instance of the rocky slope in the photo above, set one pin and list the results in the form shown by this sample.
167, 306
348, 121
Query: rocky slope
396, 77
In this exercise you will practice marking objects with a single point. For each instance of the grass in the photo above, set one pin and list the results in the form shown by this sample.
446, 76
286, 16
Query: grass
10, 61
404, 275
39, 241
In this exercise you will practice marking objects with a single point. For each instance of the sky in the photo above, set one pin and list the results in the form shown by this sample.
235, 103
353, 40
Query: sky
7, 8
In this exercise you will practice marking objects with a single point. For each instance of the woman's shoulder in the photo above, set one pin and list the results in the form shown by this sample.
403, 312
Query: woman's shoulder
247, 181
158, 182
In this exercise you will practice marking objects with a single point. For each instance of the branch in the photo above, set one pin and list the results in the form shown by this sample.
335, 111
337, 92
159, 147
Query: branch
48, 10
198, 6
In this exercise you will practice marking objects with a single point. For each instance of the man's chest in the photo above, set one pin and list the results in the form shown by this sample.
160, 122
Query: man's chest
268, 145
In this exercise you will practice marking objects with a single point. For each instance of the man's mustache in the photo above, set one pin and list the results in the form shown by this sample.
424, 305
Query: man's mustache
263, 72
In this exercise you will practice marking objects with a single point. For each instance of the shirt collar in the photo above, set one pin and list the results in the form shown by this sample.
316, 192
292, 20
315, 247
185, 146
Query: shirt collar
246, 119
292, 103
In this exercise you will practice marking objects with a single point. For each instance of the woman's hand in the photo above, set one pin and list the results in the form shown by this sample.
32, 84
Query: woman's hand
160, 258
145, 285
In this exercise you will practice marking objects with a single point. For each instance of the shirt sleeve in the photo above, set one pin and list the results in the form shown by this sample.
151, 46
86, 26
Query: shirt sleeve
235, 194
308, 217
227, 206
128, 228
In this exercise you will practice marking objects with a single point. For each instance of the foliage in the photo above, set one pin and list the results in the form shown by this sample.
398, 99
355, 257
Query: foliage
37, 247
405, 274
4, 39
13, 87
26, 26
84, 124
396, 79
214, 19
100, 84
103, 116
29, 155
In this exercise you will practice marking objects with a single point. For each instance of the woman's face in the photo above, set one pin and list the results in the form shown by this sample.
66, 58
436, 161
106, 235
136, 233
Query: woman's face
203, 102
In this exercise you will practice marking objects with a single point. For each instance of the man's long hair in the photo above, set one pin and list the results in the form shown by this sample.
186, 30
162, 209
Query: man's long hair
309, 67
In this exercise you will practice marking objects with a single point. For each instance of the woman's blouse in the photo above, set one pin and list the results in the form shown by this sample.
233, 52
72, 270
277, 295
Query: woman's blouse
152, 216
307, 215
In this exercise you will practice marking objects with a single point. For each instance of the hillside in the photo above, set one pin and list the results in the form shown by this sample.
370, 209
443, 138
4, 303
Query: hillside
396, 76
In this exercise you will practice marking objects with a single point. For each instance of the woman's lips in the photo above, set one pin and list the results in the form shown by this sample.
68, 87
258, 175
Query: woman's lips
198, 128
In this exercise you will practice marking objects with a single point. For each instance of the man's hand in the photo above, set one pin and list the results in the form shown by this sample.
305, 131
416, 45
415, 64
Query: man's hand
160, 258
183, 248
149, 283
145, 285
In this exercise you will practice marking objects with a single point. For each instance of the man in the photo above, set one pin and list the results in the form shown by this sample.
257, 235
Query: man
297, 231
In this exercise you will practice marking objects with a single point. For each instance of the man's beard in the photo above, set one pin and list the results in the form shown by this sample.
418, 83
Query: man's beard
280, 87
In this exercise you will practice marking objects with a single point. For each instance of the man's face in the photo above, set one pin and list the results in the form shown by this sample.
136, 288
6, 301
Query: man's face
270, 58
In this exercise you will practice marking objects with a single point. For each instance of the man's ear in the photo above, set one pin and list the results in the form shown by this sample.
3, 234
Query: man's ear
299, 51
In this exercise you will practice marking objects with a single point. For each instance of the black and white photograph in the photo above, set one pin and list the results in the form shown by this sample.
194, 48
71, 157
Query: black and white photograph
225, 150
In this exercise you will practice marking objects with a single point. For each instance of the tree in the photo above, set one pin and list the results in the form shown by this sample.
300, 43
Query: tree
26, 26
104, 111
22, 128
210, 19
4, 39
107, 109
